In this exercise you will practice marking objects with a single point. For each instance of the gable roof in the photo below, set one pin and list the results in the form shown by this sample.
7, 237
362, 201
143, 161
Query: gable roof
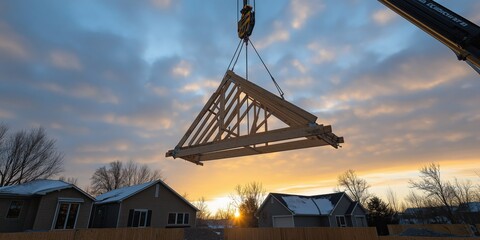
354, 206
38, 187
322, 204
470, 206
120, 194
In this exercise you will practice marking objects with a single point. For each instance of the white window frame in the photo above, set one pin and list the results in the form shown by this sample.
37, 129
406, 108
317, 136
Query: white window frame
339, 223
140, 217
176, 219
59, 203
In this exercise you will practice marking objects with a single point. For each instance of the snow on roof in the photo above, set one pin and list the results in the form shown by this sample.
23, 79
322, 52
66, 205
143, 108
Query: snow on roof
308, 205
324, 205
304, 205
301, 205
122, 193
36, 187
474, 206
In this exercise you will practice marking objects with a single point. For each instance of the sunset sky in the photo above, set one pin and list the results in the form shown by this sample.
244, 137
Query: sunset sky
123, 80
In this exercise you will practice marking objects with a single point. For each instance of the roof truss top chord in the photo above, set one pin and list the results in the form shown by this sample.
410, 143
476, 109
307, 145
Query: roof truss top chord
242, 119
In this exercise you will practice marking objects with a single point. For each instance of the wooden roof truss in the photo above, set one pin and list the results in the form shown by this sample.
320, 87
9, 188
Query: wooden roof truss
242, 119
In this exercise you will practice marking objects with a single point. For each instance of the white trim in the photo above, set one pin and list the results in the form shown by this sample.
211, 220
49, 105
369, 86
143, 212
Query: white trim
338, 202
70, 200
76, 217
176, 218
344, 220
140, 217
354, 207
119, 213
288, 209
90, 215
55, 218
157, 190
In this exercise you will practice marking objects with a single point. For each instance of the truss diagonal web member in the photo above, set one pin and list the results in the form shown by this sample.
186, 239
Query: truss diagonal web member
242, 119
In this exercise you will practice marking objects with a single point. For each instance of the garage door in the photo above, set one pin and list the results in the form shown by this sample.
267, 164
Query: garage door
283, 221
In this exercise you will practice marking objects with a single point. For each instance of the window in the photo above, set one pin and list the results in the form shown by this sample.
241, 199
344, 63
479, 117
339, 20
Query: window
341, 221
178, 218
66, 216
15, 209
139, 218
171, 218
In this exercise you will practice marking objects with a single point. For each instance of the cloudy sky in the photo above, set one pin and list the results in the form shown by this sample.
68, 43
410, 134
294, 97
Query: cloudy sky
123, 80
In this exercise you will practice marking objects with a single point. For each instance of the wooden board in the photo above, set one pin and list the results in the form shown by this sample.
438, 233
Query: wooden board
242, 119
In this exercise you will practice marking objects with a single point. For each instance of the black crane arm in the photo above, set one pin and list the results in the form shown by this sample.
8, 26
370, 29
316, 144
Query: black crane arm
453, 30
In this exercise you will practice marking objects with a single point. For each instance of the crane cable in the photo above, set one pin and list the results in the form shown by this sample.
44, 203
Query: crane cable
238, 51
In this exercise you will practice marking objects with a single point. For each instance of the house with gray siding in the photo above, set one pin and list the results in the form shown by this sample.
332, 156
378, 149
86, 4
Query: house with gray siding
152, 204
327, 210
43, 205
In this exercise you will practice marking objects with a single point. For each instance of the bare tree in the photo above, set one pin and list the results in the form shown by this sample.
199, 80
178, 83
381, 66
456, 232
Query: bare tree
203, 213
435, 188
134, 174
27, 156
226, 215
463, 191
70, 180
392, 200
477, 192
355, 187
247, 200
118, 175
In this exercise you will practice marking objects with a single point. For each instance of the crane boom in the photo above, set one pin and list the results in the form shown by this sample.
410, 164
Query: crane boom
453, 30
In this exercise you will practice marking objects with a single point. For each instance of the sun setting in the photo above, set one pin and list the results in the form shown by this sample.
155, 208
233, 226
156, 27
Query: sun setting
226, 114
237, 214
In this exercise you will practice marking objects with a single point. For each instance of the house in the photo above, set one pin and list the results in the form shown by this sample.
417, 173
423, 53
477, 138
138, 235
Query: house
464, 213
469, 212
328, 210
43, 205
152, 204
425, 215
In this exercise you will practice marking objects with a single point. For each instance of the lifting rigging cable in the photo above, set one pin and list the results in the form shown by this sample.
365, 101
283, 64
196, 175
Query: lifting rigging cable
245, 28
242, 119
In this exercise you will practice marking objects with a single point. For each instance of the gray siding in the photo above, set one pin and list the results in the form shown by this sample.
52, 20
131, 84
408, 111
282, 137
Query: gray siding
38, 212
105, 215
358, 217
307, 221
340, 210
272, 207
48, 206
167, 202
25, 219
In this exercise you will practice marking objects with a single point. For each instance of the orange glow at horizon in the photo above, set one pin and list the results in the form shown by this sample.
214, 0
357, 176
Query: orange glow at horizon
394, 177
